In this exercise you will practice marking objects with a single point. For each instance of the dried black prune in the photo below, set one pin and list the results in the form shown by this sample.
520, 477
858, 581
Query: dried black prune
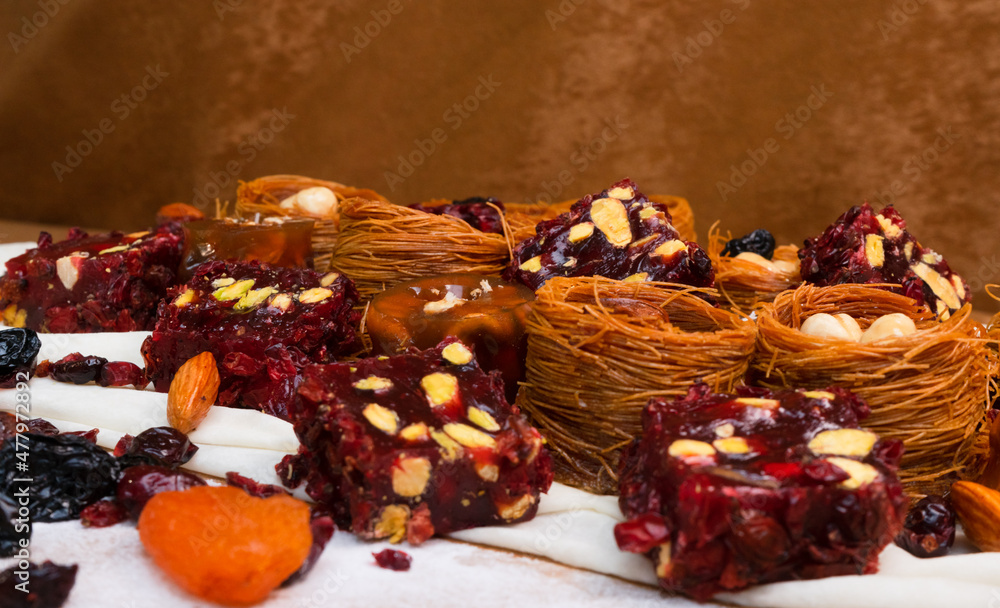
12, 530
162, 445
18, 350
67, 473
759, 241
929, 530
48, 586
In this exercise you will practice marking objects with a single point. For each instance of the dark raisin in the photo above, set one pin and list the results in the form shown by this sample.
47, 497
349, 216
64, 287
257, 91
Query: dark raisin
18, 351
142, 482
390, 559
14, 532
122, 373
321, 525
161, 445
252, 487
48, 586
40, 426
103, 513
77, 368
67, 472
759, 241
929, 530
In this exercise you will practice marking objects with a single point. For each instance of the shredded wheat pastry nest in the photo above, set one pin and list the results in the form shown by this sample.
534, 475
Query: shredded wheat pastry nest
599, 349
381, 244
929, 389
744, 284
264, 196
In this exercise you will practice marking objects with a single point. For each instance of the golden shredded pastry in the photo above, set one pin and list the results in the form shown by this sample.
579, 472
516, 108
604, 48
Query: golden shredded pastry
264, 196
929, 389
381, 244
599, 349
744, 284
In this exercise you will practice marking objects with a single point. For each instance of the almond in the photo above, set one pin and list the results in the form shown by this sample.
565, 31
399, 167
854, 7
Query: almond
192, 391
978, 508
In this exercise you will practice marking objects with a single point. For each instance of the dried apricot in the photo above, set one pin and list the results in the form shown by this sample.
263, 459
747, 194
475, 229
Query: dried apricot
223, 545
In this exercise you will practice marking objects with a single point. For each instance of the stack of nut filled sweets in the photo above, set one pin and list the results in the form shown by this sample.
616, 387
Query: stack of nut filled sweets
762, 413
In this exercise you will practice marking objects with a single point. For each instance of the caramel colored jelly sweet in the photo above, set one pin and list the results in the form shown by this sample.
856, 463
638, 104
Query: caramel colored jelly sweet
276, 241
484, 312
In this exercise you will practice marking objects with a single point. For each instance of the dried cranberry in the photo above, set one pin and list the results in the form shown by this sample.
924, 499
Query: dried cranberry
67, 472
90, 435
103, 513
642, 534
40, 426
122, 373
18, 351
48, 586
14, 532
161, 445
77, 368
759, 241
252, 487
322, 527
142, 482
929, 530
390, 559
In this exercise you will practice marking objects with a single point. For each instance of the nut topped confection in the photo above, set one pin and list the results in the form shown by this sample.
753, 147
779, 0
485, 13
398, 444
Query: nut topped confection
867, 247
105, 282
619, 234
416, 444
481, 213
262, 323
726, 491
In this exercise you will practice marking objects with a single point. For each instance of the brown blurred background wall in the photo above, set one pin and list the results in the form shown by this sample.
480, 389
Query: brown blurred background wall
776, 114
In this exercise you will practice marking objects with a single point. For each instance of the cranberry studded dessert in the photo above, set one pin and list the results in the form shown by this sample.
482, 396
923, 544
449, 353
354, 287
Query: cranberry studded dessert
618, 234
415, 445
726, 491
867, 247
107, 282
262, 323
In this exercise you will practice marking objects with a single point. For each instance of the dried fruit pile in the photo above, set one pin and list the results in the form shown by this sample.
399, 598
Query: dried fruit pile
867, 247
262, 324
619, 234
726, 491
108, 282
415, 444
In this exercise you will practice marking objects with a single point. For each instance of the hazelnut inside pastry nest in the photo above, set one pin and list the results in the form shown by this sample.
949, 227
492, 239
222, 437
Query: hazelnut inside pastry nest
742, 283
264, 196
599, 349
928, 389
381, 244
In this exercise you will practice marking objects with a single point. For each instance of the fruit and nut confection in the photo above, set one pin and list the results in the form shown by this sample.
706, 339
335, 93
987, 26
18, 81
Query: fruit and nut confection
725, 491
760, 413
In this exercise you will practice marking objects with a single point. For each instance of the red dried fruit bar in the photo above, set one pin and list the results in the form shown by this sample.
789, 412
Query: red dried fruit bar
727, 491
262, 323
619, 234
416, 444
106, 282
867, 247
